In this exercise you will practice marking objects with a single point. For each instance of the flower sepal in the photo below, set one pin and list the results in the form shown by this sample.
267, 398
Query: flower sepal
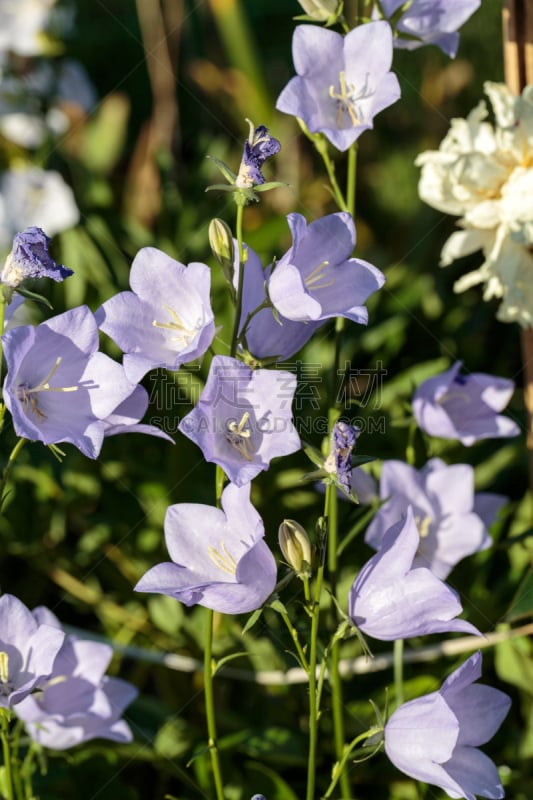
29, 295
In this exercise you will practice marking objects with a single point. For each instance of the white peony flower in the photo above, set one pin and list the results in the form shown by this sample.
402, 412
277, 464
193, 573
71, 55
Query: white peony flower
483, 173
32, 196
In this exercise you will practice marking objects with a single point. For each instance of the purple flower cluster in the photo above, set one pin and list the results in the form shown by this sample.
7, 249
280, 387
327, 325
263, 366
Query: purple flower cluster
56, 683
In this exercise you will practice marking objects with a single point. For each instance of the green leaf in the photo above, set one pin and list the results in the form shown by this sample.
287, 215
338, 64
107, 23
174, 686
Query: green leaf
220, 663
228, 173
250, 622
514, 663
313, 454
522, 603
37, 298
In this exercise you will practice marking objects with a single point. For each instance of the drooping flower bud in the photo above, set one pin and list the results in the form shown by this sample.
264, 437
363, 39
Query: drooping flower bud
221, 242
295, 545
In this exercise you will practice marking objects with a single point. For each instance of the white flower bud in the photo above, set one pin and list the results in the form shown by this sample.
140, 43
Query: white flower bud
295, 545
321, 10
221, 242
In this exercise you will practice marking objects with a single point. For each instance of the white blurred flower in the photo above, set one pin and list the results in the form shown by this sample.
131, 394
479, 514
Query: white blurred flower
23, 24
483, 173
30, 196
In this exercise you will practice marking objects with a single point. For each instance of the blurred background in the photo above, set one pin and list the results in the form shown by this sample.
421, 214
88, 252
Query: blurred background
105, 128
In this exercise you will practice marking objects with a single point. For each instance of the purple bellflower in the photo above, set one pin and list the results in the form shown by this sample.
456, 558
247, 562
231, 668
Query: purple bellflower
452, 521
267, 336
27, 651
29, 258
391, 599
167, 320
219, 558
316, 279
429, 22
435, 738
342, 82
464, 407
78, 702
259, 146
58, 387
243, 418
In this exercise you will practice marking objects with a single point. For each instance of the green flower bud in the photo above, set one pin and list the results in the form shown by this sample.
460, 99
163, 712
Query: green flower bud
295, 545
321, 10
221, 241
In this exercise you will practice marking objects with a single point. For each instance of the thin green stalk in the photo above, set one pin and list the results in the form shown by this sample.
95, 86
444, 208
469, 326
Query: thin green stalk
398, 671
313, 698
7, 755
238, 302
210, 707
338, 769
295, 638
352, 173
7, 469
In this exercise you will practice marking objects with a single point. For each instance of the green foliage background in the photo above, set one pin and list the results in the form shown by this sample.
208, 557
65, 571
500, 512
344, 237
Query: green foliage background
77, 536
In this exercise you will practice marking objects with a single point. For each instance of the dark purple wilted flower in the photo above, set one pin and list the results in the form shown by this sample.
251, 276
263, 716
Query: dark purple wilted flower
435, 738
27, 651
316, 278
464, 407
391, 599
29, 258
339, 461
452, 521
243, 418
78, 702
219, 558
167, 320
342, 82
58, 387
429, 22
259, 146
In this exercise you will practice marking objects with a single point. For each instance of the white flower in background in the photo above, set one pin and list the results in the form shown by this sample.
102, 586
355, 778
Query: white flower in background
23, 24
31, 196
483, 173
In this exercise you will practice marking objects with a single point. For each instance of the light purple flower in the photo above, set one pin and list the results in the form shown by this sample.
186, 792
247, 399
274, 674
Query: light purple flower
391, 599
267, 336
452, 521
316, 278
435, 738
78, 702
243, 418
126, 417
464, 407
259, 146
27, 651
220, 560
29, 258
167, 320
342, 82
429, 22
58, 387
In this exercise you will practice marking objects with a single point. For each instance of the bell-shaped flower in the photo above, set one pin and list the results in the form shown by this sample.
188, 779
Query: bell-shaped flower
29, 258
58, 387
422, 22
166, 320
393, 599
27, 651
435, 738
219, 558
452, 521
78, 702
316, 278
243, 418
342, 82
267, 336
464, 407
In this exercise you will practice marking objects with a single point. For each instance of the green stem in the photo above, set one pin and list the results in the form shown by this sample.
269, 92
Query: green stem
313, 697
7, 754
7, 469
238, 302
398, 671
210, 707
410, 453
295, 638
338, 769
350, 184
